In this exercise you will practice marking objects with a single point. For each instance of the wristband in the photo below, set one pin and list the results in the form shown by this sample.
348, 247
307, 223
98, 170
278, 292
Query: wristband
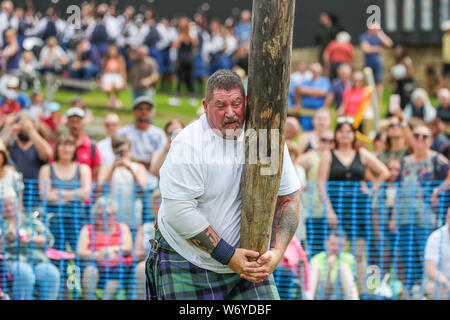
223, 252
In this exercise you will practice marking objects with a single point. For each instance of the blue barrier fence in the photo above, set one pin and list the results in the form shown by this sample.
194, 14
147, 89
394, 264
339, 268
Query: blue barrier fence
61, 244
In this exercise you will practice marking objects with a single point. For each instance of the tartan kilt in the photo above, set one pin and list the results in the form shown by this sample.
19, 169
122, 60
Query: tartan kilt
171, 277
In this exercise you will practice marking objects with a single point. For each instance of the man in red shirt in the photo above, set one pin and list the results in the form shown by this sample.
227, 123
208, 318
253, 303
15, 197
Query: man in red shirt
337, 52
87, 151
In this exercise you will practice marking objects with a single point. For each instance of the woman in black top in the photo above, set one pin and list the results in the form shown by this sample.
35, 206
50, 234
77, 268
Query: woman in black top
185, 61
341, 179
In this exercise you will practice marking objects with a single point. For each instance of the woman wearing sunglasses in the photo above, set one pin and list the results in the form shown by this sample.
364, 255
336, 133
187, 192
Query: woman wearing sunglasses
398, 141
341, 180
424, 178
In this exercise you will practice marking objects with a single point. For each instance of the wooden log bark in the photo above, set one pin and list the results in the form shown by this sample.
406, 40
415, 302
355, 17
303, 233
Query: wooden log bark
268, 85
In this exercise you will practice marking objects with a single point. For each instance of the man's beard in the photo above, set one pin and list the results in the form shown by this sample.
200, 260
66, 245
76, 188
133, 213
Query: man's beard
143, 120
232, 133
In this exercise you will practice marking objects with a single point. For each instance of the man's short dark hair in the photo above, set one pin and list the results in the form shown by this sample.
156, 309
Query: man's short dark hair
225, 80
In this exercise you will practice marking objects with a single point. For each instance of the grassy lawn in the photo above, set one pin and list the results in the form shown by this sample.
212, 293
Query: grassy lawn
97, 102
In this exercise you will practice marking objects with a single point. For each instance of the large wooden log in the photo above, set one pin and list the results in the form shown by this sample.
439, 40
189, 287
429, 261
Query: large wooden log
268, 85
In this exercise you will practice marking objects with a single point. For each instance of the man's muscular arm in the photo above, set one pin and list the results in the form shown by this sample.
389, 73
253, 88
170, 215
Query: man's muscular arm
284, 225
285, 221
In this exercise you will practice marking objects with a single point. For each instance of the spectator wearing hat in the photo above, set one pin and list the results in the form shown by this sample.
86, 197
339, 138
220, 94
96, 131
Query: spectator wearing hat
143, 72
51, 122
144, 137
337, 52
87, 151
112, 125
77, 102
13, 100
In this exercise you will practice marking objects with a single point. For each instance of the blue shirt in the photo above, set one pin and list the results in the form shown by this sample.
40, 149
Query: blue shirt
243, 32
337, 88
22, 98
321, 83
144, 143
294, 83
372, 59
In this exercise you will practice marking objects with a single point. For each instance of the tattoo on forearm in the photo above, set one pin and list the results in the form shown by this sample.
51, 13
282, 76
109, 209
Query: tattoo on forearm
206, 240
285, 220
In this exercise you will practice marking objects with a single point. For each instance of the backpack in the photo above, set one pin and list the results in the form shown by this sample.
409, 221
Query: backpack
99, 34
50, 30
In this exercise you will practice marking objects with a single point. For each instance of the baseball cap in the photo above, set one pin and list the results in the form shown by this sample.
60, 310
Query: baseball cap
54, 106
13, 82
75, 112
143, 99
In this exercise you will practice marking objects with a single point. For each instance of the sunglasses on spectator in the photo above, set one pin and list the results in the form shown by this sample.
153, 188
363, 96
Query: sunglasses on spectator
345, 120
422, 136
394, 125
140, 108
326, 140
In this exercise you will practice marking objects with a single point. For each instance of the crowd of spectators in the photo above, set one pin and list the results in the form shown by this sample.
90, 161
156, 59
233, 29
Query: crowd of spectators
104, 42
69, 200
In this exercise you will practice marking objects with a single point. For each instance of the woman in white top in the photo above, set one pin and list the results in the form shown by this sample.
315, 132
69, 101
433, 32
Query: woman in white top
123, 180
9, 177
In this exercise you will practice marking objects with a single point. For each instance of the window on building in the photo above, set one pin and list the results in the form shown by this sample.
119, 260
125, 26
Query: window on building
408, 15
444, 11
426, 12
391, 15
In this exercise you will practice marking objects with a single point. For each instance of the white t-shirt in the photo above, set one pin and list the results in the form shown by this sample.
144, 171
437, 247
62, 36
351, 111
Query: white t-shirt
106, 151
202, 165
438, 249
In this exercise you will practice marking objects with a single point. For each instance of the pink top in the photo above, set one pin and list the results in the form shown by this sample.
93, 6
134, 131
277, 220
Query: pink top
99, 241
292, 257
353, 98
